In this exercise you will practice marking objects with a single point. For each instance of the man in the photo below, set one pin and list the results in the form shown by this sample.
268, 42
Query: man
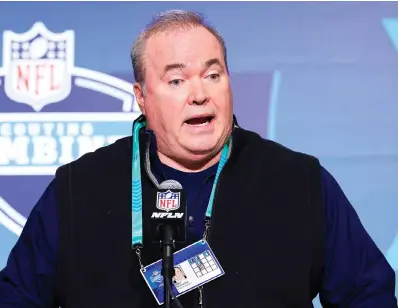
279, 224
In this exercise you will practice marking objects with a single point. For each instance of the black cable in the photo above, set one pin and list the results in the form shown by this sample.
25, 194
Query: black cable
177, 301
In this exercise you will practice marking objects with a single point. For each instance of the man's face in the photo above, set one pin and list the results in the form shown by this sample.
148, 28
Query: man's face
188, 100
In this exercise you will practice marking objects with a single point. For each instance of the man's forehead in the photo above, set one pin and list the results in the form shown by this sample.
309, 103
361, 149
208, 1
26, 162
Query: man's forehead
188, 47
183, 35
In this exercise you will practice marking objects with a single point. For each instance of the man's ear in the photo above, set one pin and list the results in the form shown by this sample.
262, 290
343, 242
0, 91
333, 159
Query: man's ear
139, 95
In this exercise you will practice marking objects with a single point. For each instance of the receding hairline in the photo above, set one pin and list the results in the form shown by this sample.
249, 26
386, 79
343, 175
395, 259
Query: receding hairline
154, 34
171, 27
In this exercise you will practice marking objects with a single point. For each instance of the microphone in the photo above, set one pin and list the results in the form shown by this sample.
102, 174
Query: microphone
168, 226
170, 210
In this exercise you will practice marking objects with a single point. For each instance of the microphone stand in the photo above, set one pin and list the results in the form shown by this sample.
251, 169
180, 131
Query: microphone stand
168, 263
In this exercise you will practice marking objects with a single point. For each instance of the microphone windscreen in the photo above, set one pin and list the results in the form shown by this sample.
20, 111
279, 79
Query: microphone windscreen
170, 184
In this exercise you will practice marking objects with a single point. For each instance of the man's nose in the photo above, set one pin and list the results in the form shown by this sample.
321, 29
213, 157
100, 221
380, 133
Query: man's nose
198, 93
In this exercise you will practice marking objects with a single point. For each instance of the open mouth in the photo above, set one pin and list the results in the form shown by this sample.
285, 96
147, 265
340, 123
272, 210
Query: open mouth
200, 121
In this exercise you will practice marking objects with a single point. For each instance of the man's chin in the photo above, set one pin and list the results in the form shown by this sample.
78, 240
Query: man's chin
202, 154
201, 160
200, 149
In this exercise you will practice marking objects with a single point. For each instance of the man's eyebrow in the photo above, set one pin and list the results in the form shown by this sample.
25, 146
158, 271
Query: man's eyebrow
213, 61
207, 64
173, 66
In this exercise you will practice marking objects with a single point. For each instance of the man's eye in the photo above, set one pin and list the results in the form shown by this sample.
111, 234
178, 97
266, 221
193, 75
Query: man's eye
175, 82
214, 76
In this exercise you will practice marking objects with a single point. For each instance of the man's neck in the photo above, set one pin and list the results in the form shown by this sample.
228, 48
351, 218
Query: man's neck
189, 166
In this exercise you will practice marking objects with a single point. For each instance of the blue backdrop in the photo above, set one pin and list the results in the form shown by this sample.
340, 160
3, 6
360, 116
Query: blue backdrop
320, 77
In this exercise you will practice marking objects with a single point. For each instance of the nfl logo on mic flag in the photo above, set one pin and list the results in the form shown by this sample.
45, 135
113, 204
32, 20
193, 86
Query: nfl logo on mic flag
168, 201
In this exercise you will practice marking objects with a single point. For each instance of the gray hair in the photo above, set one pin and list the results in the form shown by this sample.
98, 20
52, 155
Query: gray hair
169, 20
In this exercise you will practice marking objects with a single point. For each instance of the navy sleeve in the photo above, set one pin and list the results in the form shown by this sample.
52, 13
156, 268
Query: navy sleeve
28, 278
356, 272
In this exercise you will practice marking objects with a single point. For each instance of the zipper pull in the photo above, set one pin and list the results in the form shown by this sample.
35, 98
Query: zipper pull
200, 296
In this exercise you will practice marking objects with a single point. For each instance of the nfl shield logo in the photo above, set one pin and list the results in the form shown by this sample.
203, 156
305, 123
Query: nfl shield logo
168, 201
38, 66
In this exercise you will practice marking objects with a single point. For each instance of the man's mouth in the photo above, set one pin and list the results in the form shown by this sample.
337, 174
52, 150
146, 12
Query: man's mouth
200, 121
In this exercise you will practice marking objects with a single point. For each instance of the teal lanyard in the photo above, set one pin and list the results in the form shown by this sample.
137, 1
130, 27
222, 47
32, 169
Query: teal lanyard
136, 199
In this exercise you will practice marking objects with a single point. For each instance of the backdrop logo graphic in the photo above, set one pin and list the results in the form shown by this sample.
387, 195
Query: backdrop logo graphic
391, 27
38, 66
52, 112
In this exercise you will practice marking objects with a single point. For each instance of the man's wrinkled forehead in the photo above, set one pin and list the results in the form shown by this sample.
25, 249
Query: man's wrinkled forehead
181, 49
